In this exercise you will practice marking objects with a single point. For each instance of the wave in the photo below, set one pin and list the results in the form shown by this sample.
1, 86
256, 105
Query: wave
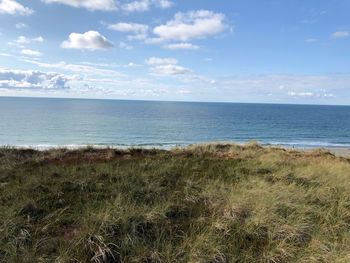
43, 147
307, 144
171, 145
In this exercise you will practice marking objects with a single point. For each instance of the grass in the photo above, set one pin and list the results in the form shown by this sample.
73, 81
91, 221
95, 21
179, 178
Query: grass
207, 203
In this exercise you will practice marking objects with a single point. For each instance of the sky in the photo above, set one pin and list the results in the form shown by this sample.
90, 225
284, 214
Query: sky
264, 51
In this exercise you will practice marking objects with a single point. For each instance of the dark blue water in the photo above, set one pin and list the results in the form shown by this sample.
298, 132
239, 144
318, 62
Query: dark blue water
70, 122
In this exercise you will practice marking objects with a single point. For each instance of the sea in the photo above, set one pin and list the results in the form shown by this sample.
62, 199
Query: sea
44, 123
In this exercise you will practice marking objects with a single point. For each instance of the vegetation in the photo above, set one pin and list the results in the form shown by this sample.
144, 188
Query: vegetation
206, 203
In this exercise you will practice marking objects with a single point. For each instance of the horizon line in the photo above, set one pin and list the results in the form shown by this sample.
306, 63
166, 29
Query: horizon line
178, 101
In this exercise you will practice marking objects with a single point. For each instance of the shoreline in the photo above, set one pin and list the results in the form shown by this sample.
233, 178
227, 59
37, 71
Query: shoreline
336, 150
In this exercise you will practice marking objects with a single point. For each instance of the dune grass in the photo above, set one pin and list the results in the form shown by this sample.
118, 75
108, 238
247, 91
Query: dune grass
206, 203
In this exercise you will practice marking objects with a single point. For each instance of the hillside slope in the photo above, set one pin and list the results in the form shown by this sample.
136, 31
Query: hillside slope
206, 203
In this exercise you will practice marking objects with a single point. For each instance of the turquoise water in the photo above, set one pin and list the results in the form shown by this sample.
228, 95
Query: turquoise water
44, 123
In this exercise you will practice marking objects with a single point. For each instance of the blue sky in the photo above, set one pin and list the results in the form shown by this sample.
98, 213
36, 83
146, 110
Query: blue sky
271, 51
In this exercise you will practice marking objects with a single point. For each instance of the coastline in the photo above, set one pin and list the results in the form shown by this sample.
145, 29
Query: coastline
336, 150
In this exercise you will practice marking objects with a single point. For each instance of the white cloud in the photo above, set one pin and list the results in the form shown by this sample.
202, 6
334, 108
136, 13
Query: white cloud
111, 65
137, 6
152, 61
341, 34
154, 40
87, 68
103, 5
321, 89
6, 55
166, 66
91, 40
22, 41
164, 3
308, 88
183, 92
142, 36
12, 7
31, 53
132, 65
133, 87
310, 40
169, 70
145, 5
32, 80
21, 25
181, 46
300, 94
129, 28
191, 25
125, 46
305, 94
38, 39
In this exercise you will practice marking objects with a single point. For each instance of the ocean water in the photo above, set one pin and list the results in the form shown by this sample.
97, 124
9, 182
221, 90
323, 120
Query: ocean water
45, 123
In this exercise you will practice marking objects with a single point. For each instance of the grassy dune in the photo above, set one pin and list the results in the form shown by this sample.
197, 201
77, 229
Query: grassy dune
209, 203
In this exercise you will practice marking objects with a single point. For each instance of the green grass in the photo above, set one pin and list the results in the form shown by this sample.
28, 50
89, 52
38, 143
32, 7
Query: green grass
208, 203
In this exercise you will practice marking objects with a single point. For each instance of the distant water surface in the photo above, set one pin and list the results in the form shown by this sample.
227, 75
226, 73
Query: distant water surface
43, 123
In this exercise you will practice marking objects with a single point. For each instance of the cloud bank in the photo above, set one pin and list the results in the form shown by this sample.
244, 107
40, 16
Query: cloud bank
103, 5
32, 80
112, 5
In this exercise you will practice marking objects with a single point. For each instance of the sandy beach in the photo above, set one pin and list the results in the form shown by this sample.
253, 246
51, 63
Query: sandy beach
343, 152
